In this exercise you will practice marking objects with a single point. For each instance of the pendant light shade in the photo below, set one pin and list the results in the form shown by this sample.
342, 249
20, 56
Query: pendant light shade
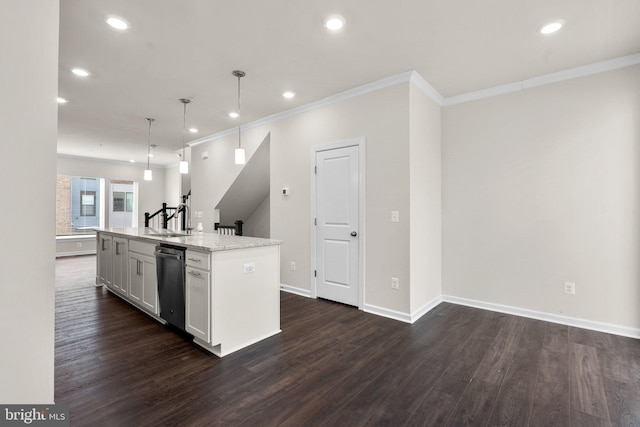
184, 165
240, 158
148, 175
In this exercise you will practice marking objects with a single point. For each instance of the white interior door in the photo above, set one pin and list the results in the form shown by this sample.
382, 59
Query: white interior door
337, 224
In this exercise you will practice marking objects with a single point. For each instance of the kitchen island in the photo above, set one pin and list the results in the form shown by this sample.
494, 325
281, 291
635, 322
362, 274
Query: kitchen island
231, 288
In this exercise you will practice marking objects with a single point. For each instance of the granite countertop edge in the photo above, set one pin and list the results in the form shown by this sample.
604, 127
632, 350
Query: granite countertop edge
211, 242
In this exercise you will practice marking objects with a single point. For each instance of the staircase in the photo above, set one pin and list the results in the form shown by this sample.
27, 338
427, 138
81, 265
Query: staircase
247, 199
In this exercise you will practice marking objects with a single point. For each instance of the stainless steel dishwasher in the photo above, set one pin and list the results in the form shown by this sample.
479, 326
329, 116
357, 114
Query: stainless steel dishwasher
170, 265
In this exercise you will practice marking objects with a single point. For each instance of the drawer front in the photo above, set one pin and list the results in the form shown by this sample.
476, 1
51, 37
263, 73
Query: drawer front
143, 248
201, 260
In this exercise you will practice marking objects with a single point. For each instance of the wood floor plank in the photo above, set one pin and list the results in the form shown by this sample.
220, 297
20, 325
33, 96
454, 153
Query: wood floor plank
437, 406
401, 404
476, 403
358, 409
587, 388
333, 365
515, 400
551, 401
581, 419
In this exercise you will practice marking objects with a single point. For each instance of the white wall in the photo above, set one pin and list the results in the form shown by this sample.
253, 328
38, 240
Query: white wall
425, 200
71, 246
172, 186
259, 223
151, 194
541, 187
28, 131
382, 117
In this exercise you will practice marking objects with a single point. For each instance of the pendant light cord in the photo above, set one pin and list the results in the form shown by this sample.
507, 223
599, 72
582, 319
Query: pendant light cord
184, 128
149, 145
239, 77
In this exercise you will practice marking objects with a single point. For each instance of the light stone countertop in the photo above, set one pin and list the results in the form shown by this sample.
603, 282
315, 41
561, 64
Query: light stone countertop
210, 242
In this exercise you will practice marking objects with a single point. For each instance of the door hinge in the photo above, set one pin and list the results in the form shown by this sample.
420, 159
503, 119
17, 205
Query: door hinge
315, 169
315, 273
315, 221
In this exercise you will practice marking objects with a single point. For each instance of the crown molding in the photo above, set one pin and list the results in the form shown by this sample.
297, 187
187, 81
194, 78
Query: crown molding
572, 73
407, 76
418, 81
119, 162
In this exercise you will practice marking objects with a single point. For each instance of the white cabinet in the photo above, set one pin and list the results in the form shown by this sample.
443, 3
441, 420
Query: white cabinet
136, 277
120, 281
198, 295
105, 257
232, 297
143, 283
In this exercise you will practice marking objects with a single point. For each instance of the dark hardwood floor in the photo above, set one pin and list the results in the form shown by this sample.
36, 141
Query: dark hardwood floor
336, 366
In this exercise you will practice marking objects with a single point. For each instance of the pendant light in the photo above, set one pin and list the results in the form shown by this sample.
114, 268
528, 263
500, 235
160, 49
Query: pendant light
147, 173
184, 165
240, 160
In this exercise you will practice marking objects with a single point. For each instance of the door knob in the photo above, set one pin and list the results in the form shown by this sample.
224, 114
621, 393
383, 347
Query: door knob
354, 234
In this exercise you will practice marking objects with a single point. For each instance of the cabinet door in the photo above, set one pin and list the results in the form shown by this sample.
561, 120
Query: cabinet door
149, 284
105, 264
198, 300
136, 277
120, 266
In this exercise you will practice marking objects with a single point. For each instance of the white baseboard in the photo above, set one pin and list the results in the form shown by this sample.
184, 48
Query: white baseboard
426, 308
294, 290
386, 312
401, 316
75, 253
608, 328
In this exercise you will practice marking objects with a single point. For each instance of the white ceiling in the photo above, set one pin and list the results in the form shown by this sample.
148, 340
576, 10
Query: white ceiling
177, 49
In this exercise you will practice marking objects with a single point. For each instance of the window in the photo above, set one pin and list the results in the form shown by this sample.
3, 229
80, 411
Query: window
87, 203
122, 201
79, 205
118, 201
129, 202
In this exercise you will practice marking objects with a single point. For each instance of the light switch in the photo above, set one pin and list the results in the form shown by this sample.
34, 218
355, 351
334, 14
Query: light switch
249, 267
395, 216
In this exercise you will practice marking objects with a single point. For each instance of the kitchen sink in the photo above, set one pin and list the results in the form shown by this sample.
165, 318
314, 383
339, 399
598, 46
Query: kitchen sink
167, 234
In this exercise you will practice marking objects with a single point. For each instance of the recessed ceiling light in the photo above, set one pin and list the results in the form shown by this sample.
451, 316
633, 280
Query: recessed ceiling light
80, 72
551, 27
289, 94
132, 161
193, 130
61, 100
117, 23
334, 23
234, 115
150, 154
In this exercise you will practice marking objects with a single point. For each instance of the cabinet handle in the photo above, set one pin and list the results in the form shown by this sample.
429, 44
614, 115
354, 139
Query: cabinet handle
194, 273
194, 259
138, 267
102, 240
117, 248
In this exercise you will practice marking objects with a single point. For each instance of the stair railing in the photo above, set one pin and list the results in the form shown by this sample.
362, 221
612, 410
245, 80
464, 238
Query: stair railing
230, 230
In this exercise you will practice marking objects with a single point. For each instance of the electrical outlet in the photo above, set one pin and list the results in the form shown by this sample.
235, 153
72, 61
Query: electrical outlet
569, 288
293, 266
78, 244
395, 216
395, 283
249, 267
